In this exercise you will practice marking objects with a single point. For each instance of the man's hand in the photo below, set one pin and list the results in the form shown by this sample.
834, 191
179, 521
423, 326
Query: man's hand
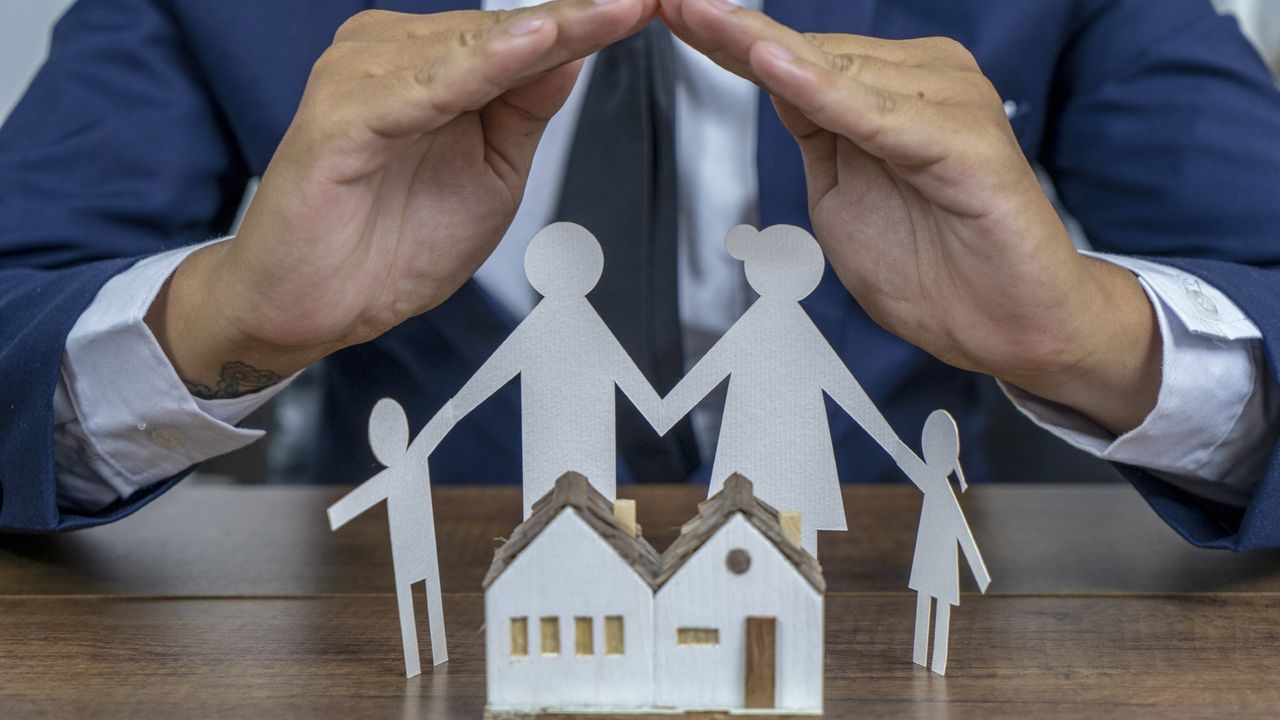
402, 169
931, 216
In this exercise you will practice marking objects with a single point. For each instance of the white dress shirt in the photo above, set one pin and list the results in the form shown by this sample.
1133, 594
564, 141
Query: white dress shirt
123, 419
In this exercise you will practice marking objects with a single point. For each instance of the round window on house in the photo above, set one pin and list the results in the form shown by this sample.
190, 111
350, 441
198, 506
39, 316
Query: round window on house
738, 561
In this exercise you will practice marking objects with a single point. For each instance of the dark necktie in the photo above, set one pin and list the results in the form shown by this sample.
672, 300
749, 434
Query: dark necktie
620, 183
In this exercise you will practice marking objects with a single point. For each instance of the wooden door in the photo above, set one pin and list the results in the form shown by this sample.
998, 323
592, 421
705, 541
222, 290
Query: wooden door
761, 649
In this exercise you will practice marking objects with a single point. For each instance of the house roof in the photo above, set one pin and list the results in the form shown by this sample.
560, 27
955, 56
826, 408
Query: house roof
714, 512
572, 491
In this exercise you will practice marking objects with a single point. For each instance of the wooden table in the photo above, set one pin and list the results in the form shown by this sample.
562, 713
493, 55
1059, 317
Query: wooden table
239, 602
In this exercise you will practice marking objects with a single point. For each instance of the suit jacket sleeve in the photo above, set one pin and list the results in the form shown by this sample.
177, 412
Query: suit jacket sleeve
1164, 141
117, 151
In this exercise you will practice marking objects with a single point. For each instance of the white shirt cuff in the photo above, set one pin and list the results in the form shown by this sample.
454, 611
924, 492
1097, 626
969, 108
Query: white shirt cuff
1212, 428
128, 421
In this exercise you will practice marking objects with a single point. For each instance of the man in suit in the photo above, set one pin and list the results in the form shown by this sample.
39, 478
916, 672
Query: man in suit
422, 137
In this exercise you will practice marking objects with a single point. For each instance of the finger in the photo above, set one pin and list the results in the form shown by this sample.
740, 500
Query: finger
418, 99
514, 121
385, 25
902, 129
817, 149
726, 32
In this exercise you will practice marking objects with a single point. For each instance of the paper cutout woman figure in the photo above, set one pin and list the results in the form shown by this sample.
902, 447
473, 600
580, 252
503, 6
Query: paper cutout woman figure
568, 362
774, 429
406, 486
935, 570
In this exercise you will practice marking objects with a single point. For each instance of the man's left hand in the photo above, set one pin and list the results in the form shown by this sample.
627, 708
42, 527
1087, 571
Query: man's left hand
932, 217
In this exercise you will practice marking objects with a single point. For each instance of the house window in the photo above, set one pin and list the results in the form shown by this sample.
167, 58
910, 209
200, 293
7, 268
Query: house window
614, 643
697, 636
583, 638
550, 636
519, 637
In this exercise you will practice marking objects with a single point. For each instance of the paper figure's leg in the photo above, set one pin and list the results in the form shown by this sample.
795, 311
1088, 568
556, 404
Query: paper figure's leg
940, 635
408, 629
435, 618
921, 654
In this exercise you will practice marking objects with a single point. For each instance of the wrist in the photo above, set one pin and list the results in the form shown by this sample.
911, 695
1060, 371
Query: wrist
1108, 366
193, 318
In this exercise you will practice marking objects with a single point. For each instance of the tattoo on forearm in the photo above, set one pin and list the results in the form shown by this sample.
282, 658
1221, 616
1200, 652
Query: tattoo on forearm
237, 379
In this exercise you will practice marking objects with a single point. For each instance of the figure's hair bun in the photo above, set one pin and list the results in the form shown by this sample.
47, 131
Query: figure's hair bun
742, 242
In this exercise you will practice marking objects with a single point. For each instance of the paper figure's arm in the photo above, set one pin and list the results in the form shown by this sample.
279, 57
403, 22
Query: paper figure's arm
635, 386
432, 434
497, 371
970, 548
369, 493
705, 375
839, 383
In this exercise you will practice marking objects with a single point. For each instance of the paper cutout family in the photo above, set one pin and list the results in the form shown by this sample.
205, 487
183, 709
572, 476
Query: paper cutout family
774, 430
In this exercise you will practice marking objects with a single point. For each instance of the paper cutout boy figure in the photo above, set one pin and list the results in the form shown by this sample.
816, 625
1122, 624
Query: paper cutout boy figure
568, 361
935, 571
406, 486
774, 429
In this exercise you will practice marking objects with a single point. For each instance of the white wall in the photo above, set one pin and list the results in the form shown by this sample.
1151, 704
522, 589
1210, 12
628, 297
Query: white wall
24, 40
569, 571
705, 594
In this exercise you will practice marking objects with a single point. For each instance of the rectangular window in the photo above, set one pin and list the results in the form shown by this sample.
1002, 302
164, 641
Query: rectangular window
550, 636
697, 636
519, 637
583, 637
614, 642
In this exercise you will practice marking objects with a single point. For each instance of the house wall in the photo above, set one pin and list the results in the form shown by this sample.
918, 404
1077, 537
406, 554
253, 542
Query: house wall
566, 572
705, 594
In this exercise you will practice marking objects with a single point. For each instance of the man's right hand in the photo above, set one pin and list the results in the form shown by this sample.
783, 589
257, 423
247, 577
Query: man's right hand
403, 167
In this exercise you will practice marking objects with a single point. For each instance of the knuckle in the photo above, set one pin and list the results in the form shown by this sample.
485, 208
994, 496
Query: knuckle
848, 64
817, 39
953, 52
885, 103
328, 63
467, 38
358, 25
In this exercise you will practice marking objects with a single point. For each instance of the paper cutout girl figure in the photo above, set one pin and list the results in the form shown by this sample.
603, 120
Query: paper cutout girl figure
406, 486
568, 361
935, 570
774, 429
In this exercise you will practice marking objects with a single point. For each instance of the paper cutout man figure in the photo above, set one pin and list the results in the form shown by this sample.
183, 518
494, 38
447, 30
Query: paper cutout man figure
774, 429
568, 362
406, 486
935, 571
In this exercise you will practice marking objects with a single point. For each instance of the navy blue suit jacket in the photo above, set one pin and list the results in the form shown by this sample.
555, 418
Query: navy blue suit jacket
1157, 121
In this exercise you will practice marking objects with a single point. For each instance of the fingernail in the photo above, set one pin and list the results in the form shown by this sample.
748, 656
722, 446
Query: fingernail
527, 25
722, 5
777, 51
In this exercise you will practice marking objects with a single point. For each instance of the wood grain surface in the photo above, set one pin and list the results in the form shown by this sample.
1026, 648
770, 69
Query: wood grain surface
238, 602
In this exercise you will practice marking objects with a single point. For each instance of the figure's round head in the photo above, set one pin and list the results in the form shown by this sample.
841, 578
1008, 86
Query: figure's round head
388, 432
941, 440
782, 261
563, 259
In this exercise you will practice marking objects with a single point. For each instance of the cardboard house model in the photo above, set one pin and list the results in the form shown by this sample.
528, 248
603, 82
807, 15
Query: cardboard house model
582, 614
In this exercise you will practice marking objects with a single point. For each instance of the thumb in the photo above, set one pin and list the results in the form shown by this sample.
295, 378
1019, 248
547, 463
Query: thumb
514, 121
817, 147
